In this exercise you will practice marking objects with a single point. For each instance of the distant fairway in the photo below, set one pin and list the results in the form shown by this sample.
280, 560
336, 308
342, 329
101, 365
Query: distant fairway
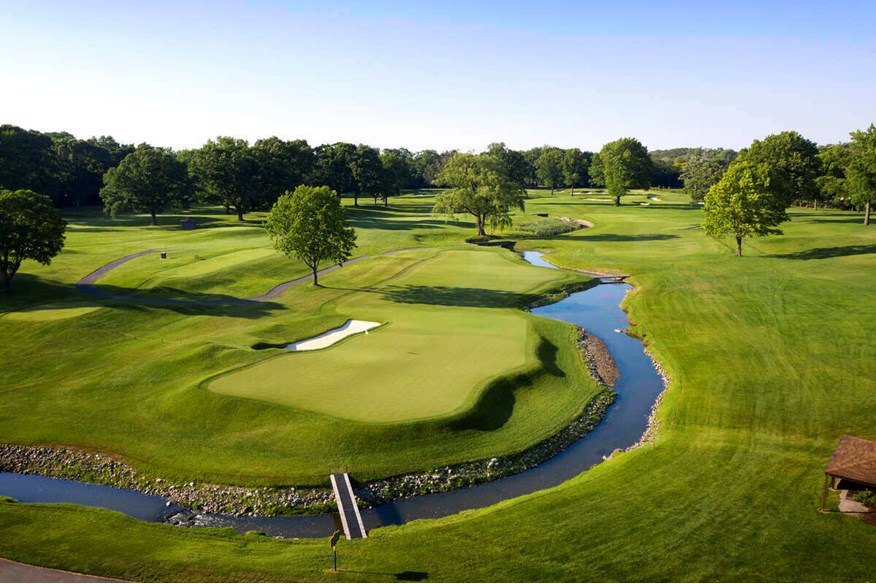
427, 361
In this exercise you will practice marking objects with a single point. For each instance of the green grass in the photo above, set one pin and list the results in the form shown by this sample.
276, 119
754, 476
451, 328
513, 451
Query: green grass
771, 357
438, 314
147, 382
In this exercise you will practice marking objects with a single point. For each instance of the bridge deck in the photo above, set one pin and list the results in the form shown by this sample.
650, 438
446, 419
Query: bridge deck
350, 517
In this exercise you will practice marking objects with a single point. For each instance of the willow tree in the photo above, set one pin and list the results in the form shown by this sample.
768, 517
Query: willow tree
480, 188
744, 204
311, 225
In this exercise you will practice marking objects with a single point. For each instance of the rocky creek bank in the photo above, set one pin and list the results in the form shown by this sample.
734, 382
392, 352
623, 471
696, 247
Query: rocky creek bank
202, 499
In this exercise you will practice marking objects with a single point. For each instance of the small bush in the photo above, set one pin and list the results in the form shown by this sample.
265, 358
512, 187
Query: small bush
866, 498
549, 227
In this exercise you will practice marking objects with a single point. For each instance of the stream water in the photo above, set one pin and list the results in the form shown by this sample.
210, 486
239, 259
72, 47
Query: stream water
596, 309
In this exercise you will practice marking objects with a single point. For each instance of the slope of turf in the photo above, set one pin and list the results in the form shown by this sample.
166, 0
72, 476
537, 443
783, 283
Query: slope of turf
130, 379
420, 363
772, 359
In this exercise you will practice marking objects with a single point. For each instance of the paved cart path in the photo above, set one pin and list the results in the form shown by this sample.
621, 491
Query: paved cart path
87, 283
17, 572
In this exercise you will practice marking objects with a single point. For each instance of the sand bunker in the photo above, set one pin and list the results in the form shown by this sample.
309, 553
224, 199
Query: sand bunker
329, 338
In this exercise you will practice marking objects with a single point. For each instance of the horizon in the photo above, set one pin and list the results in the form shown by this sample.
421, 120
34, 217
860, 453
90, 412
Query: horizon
456, 76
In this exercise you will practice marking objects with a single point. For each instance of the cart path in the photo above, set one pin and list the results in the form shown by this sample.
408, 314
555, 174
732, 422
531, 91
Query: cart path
11, 571
87, 283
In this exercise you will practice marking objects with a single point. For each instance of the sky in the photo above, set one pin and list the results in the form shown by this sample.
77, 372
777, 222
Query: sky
440, 75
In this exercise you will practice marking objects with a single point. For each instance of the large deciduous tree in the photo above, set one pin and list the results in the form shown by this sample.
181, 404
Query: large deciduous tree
744, 204
793, 164
311, 225
478, 187
367, 172
149, 180
333, 166
549, 167
861, 172
228, 170
625, 165
703, 169
30, 229
575, 165
832, 181
281, 165
513, 163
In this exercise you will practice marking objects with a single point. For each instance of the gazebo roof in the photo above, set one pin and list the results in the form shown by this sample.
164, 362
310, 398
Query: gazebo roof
854, 459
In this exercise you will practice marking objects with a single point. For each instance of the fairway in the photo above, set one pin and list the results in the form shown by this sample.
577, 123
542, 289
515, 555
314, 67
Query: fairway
49, 312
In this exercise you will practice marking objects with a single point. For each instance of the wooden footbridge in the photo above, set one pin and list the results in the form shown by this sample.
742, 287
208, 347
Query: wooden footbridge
350, 517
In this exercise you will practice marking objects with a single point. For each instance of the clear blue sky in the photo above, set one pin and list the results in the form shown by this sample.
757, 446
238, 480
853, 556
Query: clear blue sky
441, 74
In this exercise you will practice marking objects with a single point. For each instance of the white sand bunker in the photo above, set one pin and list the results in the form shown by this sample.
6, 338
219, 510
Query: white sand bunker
329, 338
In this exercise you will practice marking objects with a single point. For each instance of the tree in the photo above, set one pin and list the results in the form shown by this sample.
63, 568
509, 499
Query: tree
479, 188
281, 166
575, 165
792, 161
625, 165
311, 225
549, 167
27, 161
862, 169
513, 163
744, 203
149, 180
228, 171
397, 173
30, 229
367, 172
334, 166
596, 171
529, 157
703, 169
832, 182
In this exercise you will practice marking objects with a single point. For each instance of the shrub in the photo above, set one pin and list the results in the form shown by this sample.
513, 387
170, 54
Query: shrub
866, 498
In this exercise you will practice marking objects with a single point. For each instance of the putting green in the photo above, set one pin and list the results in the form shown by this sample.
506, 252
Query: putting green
450, 330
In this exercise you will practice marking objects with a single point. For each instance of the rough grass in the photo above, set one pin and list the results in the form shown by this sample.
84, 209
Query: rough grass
771, 357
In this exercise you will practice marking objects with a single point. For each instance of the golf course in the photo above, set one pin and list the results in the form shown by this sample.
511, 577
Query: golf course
177, 367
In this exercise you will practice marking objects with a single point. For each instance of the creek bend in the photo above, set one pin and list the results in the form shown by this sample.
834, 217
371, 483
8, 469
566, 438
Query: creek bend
596, 309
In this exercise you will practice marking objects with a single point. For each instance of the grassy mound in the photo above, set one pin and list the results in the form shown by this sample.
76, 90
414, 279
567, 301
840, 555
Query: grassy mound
421, 363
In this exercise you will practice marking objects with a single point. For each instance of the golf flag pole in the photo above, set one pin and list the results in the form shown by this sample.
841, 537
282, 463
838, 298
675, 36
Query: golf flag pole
334, 543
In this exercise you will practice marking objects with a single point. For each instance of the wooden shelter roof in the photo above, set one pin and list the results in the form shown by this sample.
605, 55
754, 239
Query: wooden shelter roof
854, 459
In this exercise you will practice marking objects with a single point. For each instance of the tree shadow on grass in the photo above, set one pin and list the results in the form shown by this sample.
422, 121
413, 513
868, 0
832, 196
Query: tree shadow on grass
495, 405
181, 302
823, 253
451, 296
